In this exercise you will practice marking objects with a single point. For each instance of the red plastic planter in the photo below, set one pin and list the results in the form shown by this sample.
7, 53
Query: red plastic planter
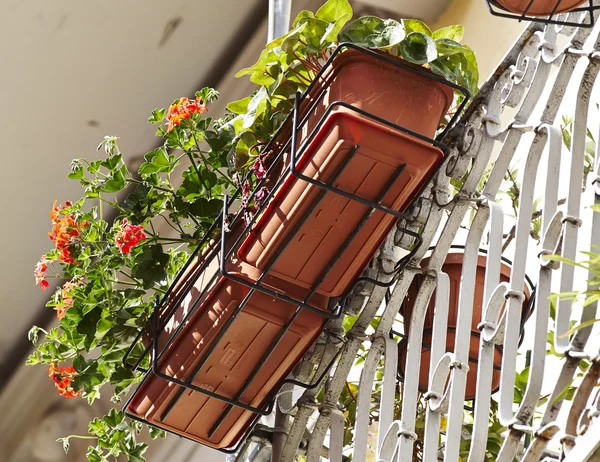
248, 338
453, 267
321, 238
540, 7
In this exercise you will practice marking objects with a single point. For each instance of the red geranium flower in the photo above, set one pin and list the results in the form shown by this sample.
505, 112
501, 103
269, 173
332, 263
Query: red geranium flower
62, 376
66, 232
183, 109
129, 236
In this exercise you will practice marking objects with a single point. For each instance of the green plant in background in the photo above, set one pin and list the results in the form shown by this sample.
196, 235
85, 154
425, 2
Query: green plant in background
591, 264
109, 258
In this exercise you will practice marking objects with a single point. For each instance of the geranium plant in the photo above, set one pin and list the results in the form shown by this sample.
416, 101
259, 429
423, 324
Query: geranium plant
108, 256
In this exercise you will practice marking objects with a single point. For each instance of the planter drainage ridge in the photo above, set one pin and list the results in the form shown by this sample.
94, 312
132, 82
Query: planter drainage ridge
261, 288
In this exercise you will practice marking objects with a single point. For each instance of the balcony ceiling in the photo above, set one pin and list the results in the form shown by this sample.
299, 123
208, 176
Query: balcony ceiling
75, 71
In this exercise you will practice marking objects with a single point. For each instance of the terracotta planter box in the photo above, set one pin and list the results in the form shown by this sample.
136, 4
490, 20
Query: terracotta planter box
226, 370
539, 7
453, 267
387, 159
382, 88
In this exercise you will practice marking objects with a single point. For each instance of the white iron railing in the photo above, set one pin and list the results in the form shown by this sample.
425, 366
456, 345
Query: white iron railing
533, 80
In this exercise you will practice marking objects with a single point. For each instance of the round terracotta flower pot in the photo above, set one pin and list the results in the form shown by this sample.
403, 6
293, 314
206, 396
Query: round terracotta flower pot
539, 7
450, 339
453, 268
235, 356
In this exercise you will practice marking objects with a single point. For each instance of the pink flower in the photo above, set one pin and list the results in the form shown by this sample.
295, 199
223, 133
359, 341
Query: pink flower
259, 168
260, 196
40, 272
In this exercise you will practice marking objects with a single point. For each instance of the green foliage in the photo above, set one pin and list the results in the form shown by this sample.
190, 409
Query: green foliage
590, 146
114, 437
417, 44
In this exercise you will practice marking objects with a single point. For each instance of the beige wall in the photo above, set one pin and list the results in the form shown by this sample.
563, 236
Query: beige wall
488, 35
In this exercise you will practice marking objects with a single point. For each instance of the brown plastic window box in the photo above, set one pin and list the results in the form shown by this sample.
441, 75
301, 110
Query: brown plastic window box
226, 366
333, 234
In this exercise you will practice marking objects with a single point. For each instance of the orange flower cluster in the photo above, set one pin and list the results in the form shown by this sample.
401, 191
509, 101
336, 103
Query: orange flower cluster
66, 298
183, 110
65, 232
62, 377
40, 272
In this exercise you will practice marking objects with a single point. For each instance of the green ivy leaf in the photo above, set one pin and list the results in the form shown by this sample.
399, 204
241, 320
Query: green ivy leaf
240, 106
112, 162
156, 433
414, 25
455, 33
114, 418
33, 359
418, 48
362, 31
115, 183
206, 208
104, 325
208, 95
77, 171
95, 455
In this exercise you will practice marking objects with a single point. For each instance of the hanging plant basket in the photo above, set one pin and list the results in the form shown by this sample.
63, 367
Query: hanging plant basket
219, 350
352, 171
547, 11
453, 268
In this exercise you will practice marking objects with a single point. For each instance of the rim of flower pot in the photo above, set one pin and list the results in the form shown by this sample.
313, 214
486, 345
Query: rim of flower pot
505, 260
558, 11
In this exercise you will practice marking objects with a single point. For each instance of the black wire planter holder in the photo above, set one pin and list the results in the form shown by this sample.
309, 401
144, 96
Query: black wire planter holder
585, 11
227, 247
